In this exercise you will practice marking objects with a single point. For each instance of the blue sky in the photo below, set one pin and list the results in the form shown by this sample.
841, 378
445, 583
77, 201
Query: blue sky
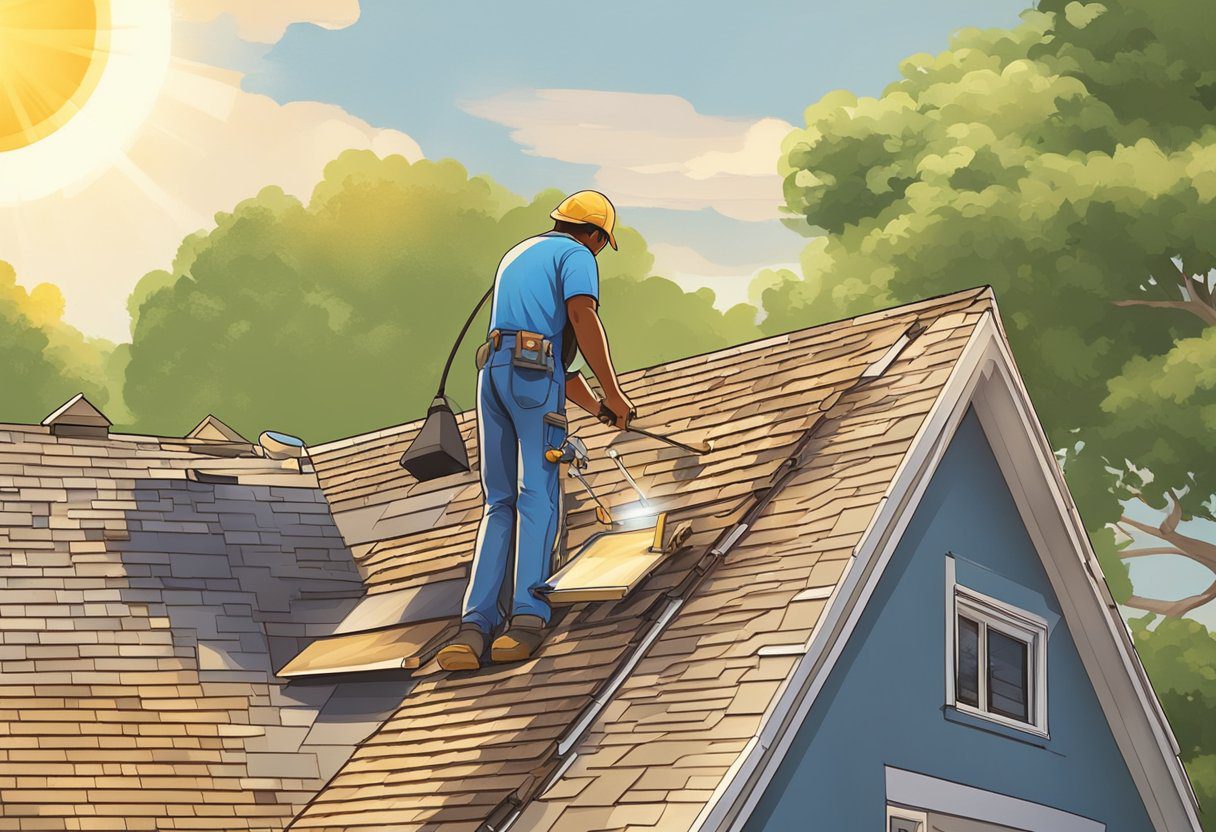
408, 65
676, 110
416, 67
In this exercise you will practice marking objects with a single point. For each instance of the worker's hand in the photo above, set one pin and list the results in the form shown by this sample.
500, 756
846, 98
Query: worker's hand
622, 409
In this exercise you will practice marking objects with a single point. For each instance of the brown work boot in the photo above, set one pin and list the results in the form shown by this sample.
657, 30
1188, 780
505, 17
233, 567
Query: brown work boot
464, 651
520, 640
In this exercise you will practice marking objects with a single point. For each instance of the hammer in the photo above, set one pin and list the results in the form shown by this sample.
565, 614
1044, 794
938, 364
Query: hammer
574, 451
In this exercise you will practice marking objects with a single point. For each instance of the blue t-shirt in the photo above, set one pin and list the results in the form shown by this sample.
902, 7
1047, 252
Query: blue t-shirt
536, 278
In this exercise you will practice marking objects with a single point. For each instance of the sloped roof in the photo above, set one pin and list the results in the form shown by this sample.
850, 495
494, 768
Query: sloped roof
144, 586
618, 736
151, 587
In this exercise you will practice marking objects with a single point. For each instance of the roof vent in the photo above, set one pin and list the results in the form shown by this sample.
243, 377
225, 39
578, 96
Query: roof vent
78, 417
281, 445
212, 429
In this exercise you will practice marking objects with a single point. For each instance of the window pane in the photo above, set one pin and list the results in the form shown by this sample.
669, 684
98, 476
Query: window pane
1007, 676
967, 679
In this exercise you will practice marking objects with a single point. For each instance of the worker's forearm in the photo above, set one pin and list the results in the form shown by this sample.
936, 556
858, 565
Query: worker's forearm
593, 344
579, 392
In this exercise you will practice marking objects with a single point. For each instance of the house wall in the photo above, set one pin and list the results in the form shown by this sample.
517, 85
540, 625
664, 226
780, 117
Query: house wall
883, 705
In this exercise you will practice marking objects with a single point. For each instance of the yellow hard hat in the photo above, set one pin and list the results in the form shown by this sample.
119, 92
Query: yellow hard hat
588, 207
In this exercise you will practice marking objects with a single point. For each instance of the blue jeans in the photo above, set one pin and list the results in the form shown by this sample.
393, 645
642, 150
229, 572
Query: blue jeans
522, 489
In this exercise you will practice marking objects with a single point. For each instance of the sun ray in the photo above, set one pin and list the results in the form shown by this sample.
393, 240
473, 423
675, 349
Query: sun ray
168, 203
16, 102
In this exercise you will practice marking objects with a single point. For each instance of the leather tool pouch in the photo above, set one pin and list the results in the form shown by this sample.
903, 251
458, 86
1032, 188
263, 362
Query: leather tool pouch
483, 354
532, 351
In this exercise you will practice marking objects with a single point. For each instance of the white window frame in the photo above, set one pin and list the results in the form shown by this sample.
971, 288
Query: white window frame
903, 813
1016, 623
934, 795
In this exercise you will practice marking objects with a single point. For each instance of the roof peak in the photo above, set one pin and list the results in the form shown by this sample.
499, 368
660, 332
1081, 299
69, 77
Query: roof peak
212, 429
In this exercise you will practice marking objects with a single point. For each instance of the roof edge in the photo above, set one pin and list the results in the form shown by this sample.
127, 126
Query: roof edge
736, 796
980, 290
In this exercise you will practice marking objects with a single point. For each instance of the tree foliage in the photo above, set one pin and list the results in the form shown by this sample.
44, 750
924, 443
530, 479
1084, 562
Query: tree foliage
43, 361
335, 317
1070, 163
1180, 657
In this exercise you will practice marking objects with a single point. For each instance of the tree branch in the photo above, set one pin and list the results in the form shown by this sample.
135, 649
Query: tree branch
1174, 517
1128, 554
1144, 527
1195, 306
1200, 551
1173, 609
1193, 284
1196, 297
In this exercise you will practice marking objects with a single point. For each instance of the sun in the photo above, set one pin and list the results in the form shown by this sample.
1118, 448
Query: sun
77, 79
52, 53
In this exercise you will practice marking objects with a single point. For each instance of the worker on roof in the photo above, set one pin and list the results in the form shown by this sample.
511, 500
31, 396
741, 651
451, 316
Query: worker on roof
546, 291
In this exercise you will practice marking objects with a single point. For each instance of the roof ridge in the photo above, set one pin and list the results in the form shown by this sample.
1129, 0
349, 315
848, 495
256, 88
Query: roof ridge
755, 343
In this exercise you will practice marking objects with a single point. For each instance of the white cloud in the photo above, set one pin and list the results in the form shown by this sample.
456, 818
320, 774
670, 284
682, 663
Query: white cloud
650, 150
265, 21
206, 145
692, 270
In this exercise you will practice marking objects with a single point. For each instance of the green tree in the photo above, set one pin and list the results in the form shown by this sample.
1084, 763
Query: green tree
1180, 657
335, 317
1070, 163
43, 361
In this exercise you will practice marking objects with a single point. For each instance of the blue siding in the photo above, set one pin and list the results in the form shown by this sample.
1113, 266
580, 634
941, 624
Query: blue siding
883, 704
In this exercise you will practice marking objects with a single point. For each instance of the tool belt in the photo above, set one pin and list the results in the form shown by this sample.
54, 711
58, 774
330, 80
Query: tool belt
531, 351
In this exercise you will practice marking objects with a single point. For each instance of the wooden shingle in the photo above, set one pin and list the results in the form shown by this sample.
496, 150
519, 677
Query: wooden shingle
652, 746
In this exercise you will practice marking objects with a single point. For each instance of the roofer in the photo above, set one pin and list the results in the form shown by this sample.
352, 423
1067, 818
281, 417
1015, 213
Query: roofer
546, 290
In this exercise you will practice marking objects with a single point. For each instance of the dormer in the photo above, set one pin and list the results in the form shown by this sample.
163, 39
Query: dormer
78, 417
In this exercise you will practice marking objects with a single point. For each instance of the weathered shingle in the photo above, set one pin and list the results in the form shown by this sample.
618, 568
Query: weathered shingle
464, 748
140, 614
149, 588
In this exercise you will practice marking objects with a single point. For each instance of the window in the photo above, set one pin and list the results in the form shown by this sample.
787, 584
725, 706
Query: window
900, 819
999, 662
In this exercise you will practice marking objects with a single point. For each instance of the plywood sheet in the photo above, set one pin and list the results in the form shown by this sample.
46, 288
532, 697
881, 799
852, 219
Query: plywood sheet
392, 648
607, 568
